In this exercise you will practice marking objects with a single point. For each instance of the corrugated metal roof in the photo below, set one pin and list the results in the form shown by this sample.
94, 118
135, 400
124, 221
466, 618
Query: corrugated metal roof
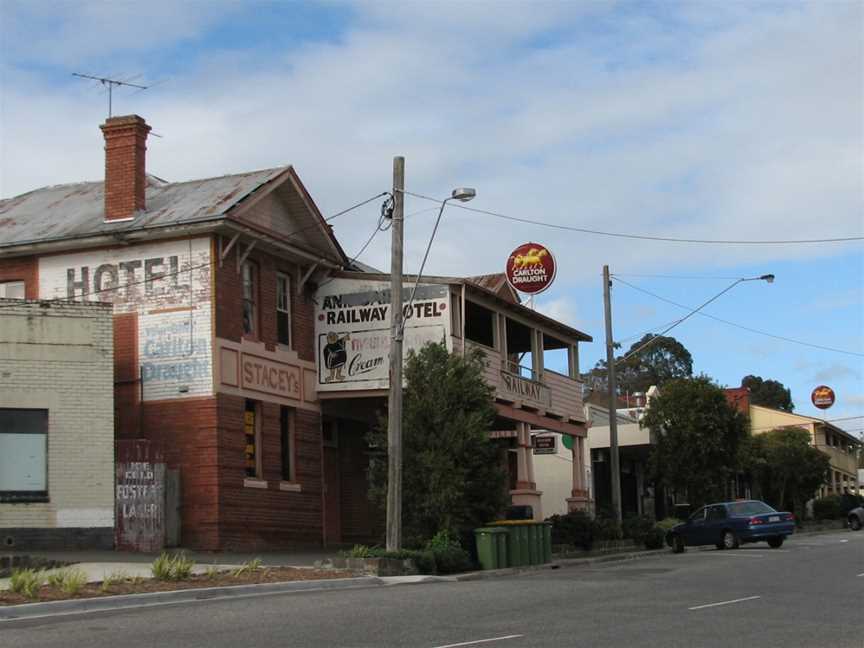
77, 210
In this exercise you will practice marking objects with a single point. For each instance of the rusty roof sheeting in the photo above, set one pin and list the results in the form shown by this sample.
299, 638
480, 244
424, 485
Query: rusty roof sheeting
77, 210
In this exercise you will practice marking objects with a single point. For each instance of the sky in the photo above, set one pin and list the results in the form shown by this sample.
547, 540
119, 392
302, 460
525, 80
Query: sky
698, 120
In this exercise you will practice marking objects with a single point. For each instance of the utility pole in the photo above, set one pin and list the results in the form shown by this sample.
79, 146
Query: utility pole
394, 401
613, 399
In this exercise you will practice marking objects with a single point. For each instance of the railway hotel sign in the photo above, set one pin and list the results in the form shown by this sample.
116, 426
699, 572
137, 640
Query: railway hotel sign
352, 330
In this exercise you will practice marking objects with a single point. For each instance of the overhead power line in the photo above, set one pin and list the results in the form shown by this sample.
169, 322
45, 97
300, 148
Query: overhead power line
741, 326
645, 237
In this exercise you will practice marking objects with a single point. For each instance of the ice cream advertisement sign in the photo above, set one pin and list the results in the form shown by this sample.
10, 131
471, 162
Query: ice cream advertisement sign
352, 330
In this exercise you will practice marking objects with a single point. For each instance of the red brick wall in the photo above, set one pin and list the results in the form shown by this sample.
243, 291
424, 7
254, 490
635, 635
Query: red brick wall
127, 388
185, 430
24, 269
255, 518
125, 156
229, 303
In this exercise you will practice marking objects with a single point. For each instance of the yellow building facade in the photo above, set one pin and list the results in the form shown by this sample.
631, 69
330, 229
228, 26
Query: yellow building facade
839, 445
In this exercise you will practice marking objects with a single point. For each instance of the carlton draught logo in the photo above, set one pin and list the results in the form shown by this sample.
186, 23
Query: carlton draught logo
822, 397
531, 268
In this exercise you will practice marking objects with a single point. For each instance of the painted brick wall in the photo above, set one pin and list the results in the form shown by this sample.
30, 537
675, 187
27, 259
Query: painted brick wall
60, 357
167, 284
24, 269
256, 518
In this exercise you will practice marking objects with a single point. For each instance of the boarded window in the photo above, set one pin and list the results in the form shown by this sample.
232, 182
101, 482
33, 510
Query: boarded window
23, 455
251, 427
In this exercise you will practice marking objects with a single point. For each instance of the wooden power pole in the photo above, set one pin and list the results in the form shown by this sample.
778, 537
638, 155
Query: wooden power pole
394, 402
614, 467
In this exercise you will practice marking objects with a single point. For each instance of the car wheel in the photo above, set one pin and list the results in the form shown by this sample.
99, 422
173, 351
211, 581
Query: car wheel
678, 544
776, 542
730, 540
720, 545
854, 522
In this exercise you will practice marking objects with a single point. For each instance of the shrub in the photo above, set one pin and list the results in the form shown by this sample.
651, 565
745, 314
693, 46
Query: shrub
655, 538
26, 582
637, 528
424, 560
168, 567
575, 529
606, 529
450, 560
827, 508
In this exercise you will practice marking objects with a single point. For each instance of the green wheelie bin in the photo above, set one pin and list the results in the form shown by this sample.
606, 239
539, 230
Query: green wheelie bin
491, 547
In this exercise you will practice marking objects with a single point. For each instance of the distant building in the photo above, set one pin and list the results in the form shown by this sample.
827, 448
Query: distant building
56, 424
839, 446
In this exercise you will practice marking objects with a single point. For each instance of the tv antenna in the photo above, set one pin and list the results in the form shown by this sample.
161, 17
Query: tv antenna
110, 84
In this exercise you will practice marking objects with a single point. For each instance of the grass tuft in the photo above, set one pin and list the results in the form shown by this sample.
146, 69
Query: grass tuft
26, 582
168, 567
248, 567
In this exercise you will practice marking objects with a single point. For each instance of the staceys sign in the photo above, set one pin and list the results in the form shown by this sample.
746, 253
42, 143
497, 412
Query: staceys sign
530, 268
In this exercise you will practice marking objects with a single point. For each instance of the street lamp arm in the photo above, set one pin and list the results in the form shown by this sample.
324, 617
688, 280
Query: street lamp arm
768, 277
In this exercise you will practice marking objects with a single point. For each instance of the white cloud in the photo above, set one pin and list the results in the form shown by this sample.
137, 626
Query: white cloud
587, 117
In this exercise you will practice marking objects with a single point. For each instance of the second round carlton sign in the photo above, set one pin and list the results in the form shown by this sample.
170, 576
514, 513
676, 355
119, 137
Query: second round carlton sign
531, 268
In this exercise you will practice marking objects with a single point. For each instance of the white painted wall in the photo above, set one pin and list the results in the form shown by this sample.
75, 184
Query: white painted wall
168, 284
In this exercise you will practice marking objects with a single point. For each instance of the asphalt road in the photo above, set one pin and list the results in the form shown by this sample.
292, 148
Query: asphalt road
809, 593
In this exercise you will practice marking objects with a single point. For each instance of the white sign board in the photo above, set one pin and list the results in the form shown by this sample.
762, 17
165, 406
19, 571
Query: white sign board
352, 330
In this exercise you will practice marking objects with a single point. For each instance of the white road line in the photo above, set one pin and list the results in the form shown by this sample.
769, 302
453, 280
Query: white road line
480, 641
735, 555
708, 605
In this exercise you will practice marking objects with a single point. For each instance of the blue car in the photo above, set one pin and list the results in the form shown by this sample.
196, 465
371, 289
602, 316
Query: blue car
729, 524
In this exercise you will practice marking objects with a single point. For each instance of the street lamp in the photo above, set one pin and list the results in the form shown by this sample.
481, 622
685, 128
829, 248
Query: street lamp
397, 329
611, 362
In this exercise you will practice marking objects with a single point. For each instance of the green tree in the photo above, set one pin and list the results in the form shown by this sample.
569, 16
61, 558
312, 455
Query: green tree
453, 474
697, 438
784, 468
663, 360
768, 393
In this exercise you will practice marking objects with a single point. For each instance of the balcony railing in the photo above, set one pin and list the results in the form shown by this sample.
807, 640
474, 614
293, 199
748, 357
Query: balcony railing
549, 393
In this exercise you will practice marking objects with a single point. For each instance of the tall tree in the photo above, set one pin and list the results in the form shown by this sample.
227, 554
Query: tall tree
453, 475
769, 393
697, 436
663, 360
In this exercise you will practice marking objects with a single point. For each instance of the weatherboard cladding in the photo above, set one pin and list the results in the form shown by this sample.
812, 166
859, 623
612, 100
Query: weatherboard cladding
77, 210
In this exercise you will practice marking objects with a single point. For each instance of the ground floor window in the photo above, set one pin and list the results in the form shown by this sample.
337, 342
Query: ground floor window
286, 429
252, 434
23, 455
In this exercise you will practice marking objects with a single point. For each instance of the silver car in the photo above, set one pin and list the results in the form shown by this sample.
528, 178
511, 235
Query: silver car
856, 518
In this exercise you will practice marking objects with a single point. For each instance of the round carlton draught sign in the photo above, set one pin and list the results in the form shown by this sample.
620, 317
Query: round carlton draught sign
822, 397
531, 268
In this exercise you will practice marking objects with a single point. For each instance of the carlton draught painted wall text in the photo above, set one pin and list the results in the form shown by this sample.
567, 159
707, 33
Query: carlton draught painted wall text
168, 285
352, 330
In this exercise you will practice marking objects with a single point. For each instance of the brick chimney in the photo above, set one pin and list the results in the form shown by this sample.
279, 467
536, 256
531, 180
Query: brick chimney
125, 179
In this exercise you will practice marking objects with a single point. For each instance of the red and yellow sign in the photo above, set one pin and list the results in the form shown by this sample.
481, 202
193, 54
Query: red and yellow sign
823, 397
531, 268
